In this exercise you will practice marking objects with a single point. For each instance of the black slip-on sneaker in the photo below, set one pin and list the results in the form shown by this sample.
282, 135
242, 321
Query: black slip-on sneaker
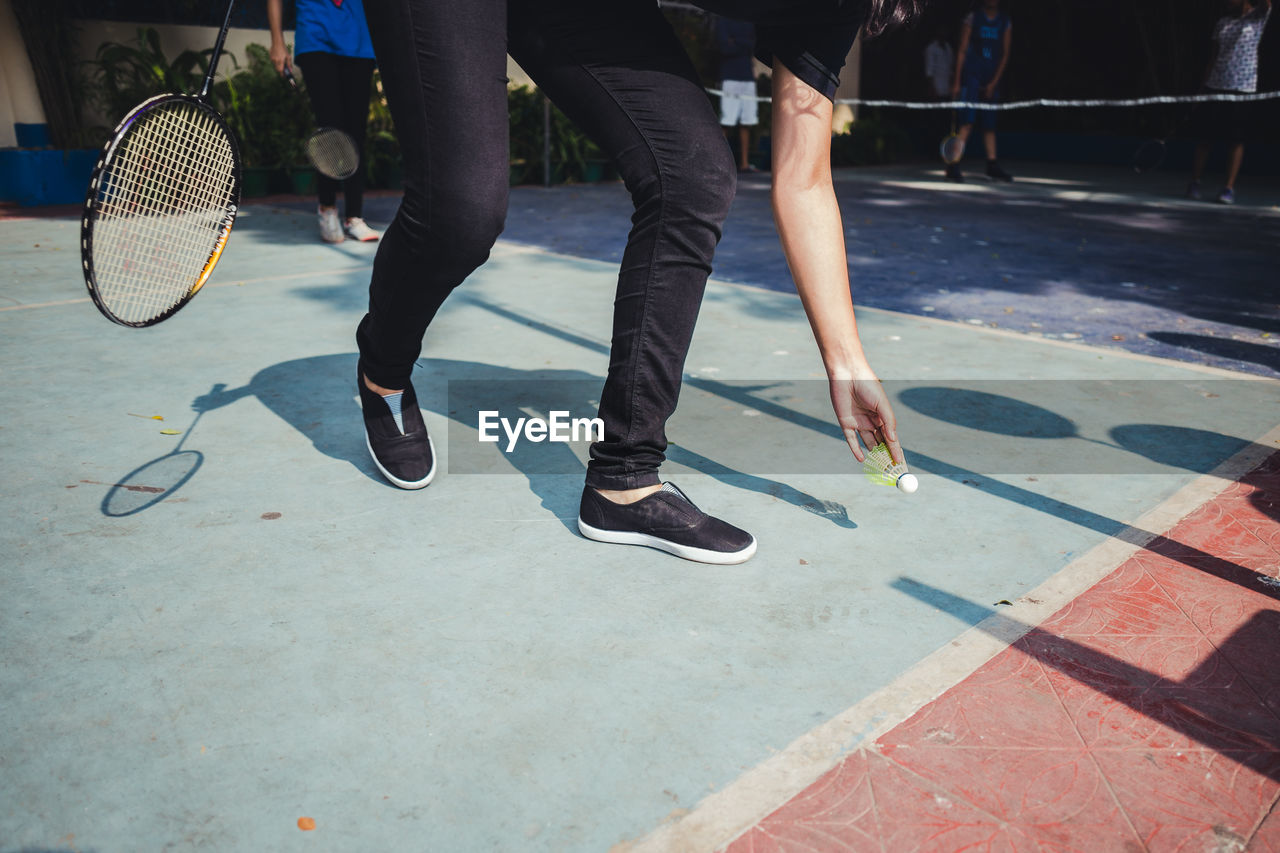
406, 457
954, 174
666, 520
995, 173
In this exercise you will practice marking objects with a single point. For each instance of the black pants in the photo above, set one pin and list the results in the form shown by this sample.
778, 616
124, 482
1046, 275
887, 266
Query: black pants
616, 69
339, 90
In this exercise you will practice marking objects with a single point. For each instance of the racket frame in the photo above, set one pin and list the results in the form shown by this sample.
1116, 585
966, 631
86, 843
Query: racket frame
105, 160
947, 141
109, 151
1157, 147
341, 135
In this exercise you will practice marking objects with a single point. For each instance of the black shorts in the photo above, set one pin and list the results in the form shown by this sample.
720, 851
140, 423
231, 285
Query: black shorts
1226, 121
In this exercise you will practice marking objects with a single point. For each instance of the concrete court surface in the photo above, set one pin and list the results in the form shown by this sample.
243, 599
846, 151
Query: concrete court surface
209, 635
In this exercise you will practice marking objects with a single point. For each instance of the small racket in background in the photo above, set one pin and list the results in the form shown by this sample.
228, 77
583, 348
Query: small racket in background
332, 151
952, 148
160, 206
1150, 154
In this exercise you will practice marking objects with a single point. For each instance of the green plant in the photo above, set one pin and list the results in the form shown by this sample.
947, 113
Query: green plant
569, 147
270, 121
123, 76
381, 145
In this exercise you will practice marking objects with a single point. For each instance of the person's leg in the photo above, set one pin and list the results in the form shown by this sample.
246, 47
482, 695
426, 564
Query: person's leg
965, 118
1201, 158
356, 77
989, 119
744, 147
749, 119
1236, 127
1235, 156
618, 71
444, 72
320, 73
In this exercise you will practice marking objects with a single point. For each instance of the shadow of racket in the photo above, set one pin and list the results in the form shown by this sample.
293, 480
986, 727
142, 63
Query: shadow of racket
157, 480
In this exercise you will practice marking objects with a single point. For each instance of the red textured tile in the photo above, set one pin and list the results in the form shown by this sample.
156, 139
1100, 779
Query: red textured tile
1037, 787
1008, 702
1171, 718
1128, 601
835, 813
915, 815
1251, 649
1193, 800
1266, 839
1109, 661
1215, 606
1214, 528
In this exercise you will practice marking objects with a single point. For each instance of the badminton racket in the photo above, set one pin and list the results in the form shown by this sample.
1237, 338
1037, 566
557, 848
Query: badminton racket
1150, 154
332, 151
952, 148
161, 202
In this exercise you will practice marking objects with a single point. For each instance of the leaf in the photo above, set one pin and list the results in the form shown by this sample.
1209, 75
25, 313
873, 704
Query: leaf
171, 432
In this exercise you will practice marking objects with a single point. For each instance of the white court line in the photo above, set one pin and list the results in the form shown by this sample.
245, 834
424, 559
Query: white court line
721, 817
237, 283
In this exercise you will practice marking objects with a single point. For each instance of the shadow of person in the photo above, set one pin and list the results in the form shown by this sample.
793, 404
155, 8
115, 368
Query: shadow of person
317, 396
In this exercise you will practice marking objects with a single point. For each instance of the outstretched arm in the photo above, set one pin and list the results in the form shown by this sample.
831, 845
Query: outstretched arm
1007, 41
966, 32
279, 50
808, 219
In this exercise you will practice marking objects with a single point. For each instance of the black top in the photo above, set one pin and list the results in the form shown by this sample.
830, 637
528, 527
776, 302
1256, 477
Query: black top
736, 41
810, 37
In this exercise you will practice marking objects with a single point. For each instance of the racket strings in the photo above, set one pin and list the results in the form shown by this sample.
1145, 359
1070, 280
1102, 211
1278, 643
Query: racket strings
333, 153
162, 210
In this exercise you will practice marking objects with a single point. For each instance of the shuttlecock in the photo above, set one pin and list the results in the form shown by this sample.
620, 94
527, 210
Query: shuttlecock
880, 469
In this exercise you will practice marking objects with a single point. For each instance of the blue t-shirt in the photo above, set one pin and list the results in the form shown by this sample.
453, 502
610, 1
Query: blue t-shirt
332, 26
986, 44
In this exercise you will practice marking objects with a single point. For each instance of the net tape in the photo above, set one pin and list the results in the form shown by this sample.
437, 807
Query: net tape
1041, 102
162, 209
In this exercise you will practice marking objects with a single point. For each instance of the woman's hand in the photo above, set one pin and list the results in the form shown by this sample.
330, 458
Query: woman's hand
864, 414
808, 218
280, 56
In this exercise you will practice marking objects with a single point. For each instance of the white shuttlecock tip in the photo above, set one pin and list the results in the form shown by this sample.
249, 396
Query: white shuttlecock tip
907, 484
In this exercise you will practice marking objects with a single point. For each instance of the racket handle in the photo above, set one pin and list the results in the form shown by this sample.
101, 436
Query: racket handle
288, 75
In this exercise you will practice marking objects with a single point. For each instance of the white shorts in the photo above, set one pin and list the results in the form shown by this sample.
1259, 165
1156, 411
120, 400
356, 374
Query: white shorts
738, 104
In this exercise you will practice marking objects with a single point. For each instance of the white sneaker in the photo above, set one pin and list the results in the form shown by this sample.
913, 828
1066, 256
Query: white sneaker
330, 229
360, 230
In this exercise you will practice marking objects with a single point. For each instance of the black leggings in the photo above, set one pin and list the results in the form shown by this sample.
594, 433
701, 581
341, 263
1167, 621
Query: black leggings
339, 90
616, 69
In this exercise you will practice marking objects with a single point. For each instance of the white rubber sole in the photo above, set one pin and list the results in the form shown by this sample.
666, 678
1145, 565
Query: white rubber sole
396, 481
688, 552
